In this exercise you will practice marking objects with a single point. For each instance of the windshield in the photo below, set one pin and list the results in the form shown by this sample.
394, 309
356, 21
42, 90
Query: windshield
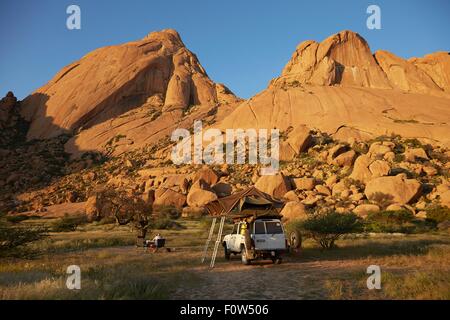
273, 227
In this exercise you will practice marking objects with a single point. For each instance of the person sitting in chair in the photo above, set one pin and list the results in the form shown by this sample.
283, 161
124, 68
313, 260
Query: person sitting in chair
156, 238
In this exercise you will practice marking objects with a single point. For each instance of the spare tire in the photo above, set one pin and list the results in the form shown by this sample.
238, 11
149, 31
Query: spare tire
295, 239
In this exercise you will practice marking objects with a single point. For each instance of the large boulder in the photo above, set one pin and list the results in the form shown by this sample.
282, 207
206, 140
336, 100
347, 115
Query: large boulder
200, 198
168, 198
293, 210
97, 207
339, 189
299, 140
206, 174
366, 168
380, 149
93, 208
396, 189
304, 183
415, 154
177, 182
222, 189
345, 159
336, 151
321, 189
291, 196
364, 209
445, 198
379, 168
276, 185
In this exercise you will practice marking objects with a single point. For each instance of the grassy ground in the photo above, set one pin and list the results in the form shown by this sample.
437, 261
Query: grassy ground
413, 267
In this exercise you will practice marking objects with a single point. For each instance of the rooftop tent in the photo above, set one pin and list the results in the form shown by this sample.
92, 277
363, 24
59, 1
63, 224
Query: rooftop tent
249, 202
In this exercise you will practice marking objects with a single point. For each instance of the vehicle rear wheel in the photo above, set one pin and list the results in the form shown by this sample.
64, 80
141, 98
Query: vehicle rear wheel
226, 252
276, 260
244, 257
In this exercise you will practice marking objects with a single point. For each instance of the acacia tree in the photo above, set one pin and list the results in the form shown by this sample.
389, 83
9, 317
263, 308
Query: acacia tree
326, 228
128, 207
13, 236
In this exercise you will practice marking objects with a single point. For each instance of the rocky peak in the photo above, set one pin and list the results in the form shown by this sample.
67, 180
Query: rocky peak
341, 59
437, 66
113, 80
345, 59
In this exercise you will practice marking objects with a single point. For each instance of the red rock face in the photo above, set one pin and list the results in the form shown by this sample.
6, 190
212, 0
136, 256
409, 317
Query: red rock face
340, 87
113, 80
142, 90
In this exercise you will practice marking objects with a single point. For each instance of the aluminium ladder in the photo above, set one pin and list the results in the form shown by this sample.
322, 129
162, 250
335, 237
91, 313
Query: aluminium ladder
218, 241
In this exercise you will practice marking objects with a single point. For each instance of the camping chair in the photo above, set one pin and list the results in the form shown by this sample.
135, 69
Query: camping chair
155, 245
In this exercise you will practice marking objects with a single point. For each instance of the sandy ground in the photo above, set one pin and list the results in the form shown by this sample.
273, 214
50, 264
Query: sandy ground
292, 279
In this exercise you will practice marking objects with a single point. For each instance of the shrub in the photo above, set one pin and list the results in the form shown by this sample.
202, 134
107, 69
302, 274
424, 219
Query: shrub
167, 211
12, 237
326, 228
165, 223
399, 158
382, 199
402, 221
438, 213
17, 218
68, 223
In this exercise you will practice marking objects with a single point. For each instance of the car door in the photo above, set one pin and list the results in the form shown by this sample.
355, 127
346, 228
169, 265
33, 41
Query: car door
275, 237
259, 235
232, 244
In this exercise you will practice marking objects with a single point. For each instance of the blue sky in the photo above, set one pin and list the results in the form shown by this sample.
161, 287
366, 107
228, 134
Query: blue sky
243, 44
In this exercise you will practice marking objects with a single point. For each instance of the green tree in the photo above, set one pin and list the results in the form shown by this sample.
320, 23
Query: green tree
326, 228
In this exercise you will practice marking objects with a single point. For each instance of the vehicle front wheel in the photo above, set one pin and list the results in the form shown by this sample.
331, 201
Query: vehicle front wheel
226, 252
244, 257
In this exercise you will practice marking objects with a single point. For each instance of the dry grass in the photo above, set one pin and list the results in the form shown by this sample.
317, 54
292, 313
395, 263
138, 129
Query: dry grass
420, 275
413, 267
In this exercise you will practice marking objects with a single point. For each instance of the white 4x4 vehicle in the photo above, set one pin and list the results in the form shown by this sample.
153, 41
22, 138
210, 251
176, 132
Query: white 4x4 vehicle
265, 240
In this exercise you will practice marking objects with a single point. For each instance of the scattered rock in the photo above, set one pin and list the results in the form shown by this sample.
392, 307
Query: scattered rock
321, 189
395, 207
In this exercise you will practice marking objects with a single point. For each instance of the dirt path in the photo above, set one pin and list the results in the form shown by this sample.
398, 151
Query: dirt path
290, 280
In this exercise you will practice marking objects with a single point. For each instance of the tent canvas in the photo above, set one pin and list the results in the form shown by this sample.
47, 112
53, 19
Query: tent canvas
245, 203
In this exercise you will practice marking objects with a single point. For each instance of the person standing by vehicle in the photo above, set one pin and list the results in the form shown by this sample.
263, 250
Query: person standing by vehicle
246, 233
